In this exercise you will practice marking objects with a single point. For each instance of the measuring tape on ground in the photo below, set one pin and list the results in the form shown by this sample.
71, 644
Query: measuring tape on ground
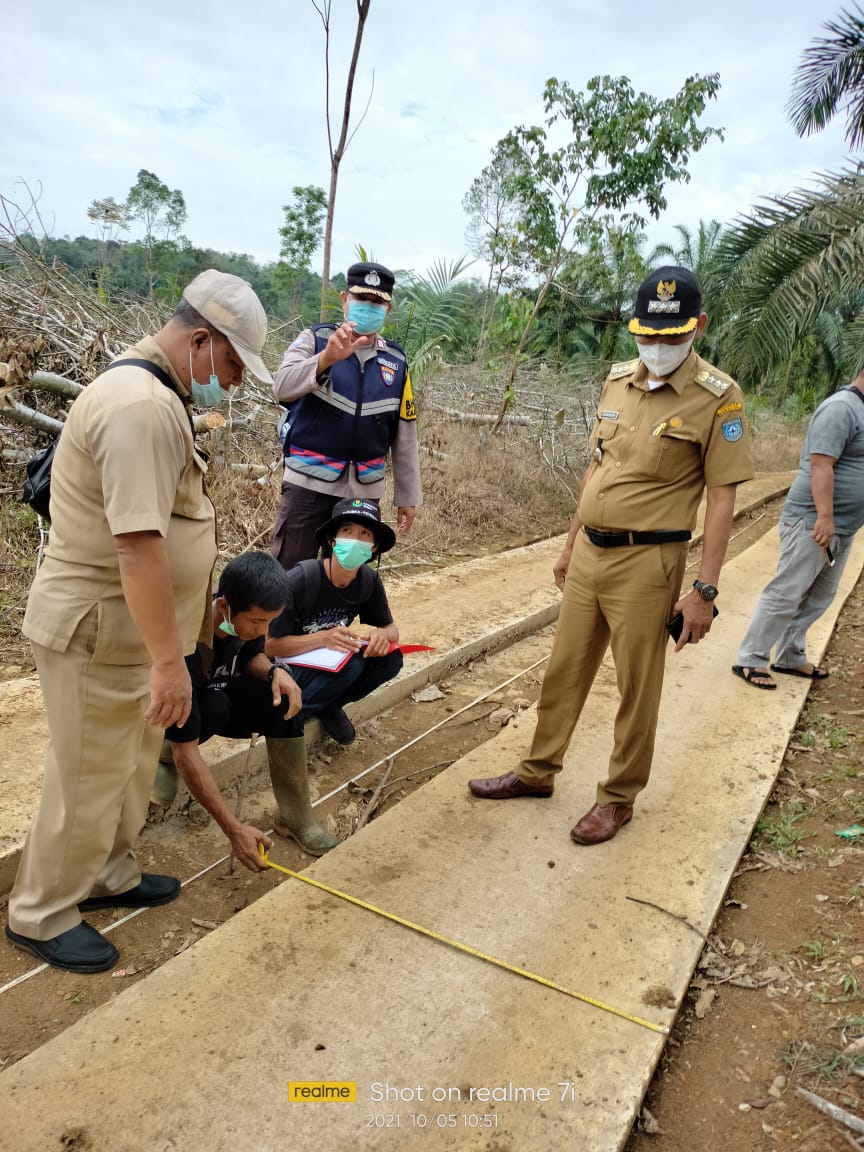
465, 947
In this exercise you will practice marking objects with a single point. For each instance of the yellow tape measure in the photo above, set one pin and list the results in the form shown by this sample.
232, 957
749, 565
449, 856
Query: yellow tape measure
464, 947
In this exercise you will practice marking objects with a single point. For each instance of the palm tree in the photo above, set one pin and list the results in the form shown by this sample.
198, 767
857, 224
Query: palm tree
789, 267
829, 77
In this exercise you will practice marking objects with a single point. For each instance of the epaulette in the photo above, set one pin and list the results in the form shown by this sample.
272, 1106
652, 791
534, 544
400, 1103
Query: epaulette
624, 368
711, 382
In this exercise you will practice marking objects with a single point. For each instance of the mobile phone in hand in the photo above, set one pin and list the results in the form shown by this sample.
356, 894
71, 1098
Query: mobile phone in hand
675, 626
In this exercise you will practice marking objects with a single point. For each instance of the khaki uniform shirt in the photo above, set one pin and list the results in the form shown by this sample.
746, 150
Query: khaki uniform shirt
658, 450
125, 463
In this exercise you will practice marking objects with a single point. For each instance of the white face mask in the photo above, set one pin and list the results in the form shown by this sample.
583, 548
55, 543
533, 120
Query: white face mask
663, 359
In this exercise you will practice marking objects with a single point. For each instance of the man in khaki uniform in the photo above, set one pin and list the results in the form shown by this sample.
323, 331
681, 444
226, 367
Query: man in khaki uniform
118, 602
668, 425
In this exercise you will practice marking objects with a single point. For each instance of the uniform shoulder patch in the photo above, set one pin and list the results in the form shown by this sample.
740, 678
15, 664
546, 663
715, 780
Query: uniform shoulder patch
623, 368
713, 382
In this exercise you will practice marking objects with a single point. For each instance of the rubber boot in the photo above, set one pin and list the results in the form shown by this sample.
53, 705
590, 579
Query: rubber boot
164, 790
290, 780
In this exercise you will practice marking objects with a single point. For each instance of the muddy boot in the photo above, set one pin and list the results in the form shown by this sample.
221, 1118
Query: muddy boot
288, 774
164, 790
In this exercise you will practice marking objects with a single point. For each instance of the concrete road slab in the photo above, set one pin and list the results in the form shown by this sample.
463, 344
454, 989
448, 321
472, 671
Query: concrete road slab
447, 1051
438, 608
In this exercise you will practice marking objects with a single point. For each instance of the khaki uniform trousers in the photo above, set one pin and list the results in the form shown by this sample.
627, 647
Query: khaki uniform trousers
623, 596
99, 768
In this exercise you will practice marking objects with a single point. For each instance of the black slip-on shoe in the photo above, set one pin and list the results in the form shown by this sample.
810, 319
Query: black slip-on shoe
149, 893
81, 949
336, 724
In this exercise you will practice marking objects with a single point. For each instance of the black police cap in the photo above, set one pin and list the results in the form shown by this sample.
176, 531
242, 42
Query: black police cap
372, 278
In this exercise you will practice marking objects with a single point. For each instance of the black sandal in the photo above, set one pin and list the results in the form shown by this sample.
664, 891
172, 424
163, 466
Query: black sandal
747, 675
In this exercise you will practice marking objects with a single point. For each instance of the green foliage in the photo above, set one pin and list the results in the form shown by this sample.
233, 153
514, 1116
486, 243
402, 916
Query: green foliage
156, 206
582, 317
433, 316
829, 77
620, 149
159, 210
301, 234
782, 832
792, 269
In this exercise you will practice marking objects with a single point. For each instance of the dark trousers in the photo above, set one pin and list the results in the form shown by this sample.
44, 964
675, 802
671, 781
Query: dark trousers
243, 707
301, 514
359, 677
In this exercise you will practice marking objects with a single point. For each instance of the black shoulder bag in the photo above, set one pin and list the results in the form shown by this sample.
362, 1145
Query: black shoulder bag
37, 486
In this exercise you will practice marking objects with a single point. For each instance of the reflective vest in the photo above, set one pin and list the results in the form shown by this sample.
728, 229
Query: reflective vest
356, 420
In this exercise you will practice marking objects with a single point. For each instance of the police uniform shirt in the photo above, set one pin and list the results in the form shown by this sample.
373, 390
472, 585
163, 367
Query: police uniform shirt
656, 450
126, 462
297, 375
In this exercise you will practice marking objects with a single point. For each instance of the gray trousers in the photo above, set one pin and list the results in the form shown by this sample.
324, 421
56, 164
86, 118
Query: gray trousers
799, 594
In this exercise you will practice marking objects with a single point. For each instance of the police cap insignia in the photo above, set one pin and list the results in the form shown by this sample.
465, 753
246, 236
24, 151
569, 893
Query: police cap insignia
370, 279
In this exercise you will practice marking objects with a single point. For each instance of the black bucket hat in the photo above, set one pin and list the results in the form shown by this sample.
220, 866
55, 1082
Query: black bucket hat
360, 512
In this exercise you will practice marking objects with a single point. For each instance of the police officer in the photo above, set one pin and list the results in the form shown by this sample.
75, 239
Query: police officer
349, 400
668, 425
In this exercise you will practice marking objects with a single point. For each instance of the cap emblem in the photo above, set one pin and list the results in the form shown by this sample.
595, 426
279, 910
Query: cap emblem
372, 279
666, 289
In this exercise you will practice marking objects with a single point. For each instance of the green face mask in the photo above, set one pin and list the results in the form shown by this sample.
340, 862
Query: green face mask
228, 628
352, 553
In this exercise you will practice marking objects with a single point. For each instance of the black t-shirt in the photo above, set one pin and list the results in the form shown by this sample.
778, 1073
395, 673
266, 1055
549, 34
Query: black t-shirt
210, 669
334, 607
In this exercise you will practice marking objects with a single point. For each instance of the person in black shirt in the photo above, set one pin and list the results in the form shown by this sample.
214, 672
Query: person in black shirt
326, 596
237, 690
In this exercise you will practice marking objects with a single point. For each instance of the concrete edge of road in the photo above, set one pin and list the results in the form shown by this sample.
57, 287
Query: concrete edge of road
229, 763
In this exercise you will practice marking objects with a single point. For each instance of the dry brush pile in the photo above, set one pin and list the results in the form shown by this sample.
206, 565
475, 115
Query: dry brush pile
481, 491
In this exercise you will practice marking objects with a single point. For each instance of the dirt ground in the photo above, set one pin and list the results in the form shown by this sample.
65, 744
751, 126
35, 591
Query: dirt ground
778, 1000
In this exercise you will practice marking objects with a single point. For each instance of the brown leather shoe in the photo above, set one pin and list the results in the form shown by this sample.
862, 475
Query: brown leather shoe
506, 787
601, 823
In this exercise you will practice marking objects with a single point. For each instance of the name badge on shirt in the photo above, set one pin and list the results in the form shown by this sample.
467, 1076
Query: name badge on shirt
609, 415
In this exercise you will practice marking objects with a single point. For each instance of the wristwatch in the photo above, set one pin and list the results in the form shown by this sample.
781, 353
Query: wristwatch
706, 591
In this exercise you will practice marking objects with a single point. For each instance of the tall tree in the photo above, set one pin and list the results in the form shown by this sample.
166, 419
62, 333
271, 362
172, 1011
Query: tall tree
829, 77
111, 219
621, 148
336, 154
301, 235
161, 212
493, 208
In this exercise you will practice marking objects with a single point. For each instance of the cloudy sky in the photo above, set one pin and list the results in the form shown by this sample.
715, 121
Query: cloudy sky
226, 102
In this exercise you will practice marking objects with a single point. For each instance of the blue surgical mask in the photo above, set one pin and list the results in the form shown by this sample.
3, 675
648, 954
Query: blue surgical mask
352, 553
206, 395
368, 317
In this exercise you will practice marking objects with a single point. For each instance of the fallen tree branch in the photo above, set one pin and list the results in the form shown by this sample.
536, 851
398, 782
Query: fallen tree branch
376, 795
21, 414
833, 1110
478, 418
59, 385
674, 915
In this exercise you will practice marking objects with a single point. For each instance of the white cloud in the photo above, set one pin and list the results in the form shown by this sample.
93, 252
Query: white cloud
226, 103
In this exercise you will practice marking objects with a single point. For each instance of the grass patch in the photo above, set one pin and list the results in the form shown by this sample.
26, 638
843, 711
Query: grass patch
781, 831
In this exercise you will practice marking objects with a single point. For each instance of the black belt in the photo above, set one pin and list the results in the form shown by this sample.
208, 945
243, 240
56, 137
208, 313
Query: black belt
619, 539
